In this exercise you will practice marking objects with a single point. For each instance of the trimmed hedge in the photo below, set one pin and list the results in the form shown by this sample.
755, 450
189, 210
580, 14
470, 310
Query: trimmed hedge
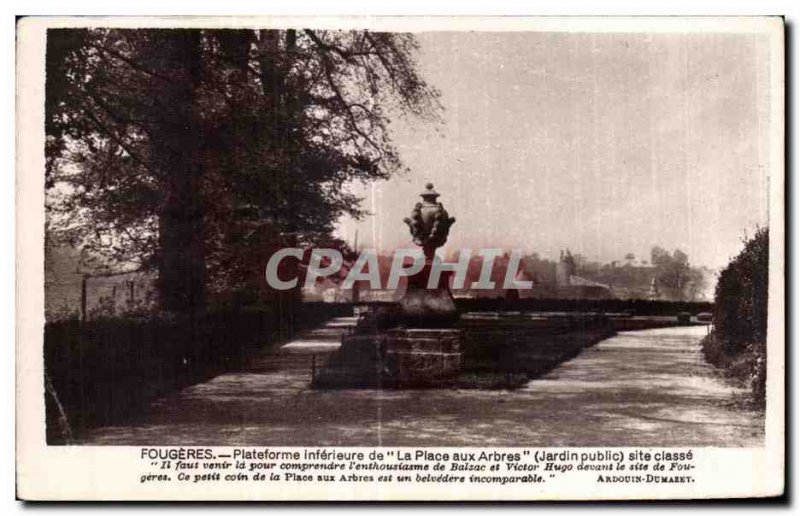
632, 306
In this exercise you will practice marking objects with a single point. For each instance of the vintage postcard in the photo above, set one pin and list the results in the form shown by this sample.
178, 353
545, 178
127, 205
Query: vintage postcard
402, 258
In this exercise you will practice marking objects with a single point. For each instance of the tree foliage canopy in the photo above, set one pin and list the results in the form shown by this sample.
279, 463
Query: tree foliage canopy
184, 149
674, 274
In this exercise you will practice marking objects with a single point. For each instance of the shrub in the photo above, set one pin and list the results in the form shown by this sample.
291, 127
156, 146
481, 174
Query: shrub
739, 341
705, 317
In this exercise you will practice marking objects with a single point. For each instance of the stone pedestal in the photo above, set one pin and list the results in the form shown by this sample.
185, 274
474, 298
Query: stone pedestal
414, 343
397, 357
424, 307
411, 344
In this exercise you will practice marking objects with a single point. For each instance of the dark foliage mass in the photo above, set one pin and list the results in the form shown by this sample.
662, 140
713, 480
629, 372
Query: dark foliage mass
185, 150
741, 296
739, 342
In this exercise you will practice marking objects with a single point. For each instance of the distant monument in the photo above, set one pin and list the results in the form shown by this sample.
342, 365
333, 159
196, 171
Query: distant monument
565, 268
654, 294
412, 342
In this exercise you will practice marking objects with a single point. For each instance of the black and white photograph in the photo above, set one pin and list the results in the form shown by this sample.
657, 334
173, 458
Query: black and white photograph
559, 240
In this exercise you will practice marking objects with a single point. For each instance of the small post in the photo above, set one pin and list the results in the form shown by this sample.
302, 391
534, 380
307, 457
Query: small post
84, 280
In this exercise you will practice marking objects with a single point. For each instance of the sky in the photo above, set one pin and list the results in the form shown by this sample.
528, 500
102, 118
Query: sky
605, 144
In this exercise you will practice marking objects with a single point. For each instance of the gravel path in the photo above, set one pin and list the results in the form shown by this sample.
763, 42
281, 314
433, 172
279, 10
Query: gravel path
642, 388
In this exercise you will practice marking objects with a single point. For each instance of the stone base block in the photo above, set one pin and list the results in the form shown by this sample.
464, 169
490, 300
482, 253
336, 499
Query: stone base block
414, 367
398, 357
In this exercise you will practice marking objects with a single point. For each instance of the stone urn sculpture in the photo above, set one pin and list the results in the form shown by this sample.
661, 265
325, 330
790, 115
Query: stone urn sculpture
412, 344
429, 222
423, 305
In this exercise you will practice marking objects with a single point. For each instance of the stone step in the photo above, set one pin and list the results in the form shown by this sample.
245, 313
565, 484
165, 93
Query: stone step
324, 339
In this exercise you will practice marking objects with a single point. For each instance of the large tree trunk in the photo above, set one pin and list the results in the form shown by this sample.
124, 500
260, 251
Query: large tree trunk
274, 63
271, 76
176, 149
